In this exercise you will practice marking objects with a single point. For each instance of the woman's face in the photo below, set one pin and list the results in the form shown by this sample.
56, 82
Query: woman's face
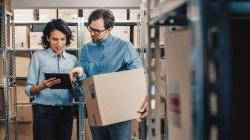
57, 41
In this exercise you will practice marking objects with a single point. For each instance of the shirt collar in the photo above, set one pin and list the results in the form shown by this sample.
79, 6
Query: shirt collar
105, 41
52, 54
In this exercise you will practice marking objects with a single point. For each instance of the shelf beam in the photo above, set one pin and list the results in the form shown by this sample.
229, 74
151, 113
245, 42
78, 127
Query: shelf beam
24, 4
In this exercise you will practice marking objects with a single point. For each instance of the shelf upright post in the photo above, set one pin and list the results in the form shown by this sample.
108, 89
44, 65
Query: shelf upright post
81, 105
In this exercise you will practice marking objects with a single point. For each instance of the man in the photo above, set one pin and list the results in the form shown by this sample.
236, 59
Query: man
106, 54
52, 108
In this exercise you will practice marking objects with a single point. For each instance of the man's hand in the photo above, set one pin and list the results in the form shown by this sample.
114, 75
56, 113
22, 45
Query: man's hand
143, 109
78, 71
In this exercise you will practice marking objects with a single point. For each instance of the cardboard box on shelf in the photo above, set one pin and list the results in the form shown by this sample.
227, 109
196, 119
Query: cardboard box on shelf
35, 40
134, 14
11, 101
121, 31
68, 15
22, 65
24, 113
25, 131
22, 98
120, 14
11, 131
10, 69
1, 68
46, 15
74, 33
21, 37
179, 102
7, 3
24, 15
114, 97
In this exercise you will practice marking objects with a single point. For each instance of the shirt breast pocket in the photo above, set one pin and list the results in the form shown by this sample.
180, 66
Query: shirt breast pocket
66, 68
48, 69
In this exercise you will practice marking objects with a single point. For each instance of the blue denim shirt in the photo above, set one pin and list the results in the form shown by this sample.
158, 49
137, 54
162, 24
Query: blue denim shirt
110, 55
46, 61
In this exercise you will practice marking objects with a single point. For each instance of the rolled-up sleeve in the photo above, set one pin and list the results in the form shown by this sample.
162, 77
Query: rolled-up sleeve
132, 58
33, 76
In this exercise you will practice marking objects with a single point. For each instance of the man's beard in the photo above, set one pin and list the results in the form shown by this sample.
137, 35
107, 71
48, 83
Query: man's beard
96, 40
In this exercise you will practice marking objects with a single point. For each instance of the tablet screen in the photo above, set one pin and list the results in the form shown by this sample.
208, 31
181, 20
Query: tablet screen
64, 78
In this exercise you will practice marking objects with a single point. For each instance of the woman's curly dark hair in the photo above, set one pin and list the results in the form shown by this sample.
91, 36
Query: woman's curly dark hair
56, 24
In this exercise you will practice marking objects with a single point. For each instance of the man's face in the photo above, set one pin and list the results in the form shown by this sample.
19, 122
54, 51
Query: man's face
57, 41
97, 30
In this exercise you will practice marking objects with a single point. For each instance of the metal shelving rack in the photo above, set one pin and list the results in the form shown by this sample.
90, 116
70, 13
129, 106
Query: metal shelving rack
8, 68
161, 15
218, 79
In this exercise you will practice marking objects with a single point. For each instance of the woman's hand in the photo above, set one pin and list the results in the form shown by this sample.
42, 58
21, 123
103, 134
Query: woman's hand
50, 82
45, 84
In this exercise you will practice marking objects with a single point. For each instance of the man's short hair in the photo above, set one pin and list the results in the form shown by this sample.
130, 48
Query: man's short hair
106, 14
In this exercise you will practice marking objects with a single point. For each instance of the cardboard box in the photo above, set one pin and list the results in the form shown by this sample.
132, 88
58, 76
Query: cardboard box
22, 37
9, 66
24, 15
35, 40
121, 31
68, 15
11, 131
24, 113
74, 33
1, 68
22, 98
114, 97
120, 14
7, 3
11, 101
45, 15
134, 14
88, 135
22, 65
25, 131
179, 103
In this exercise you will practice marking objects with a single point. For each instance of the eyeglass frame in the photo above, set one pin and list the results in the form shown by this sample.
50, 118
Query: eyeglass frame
95, 31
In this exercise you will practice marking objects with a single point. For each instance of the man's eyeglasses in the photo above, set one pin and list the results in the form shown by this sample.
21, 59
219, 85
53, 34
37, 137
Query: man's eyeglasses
95, 31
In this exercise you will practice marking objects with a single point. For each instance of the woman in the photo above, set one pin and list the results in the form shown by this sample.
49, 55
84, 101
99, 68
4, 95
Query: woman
52, 108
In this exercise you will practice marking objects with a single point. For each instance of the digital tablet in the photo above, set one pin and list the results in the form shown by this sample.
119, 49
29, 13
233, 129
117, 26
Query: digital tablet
64, 78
